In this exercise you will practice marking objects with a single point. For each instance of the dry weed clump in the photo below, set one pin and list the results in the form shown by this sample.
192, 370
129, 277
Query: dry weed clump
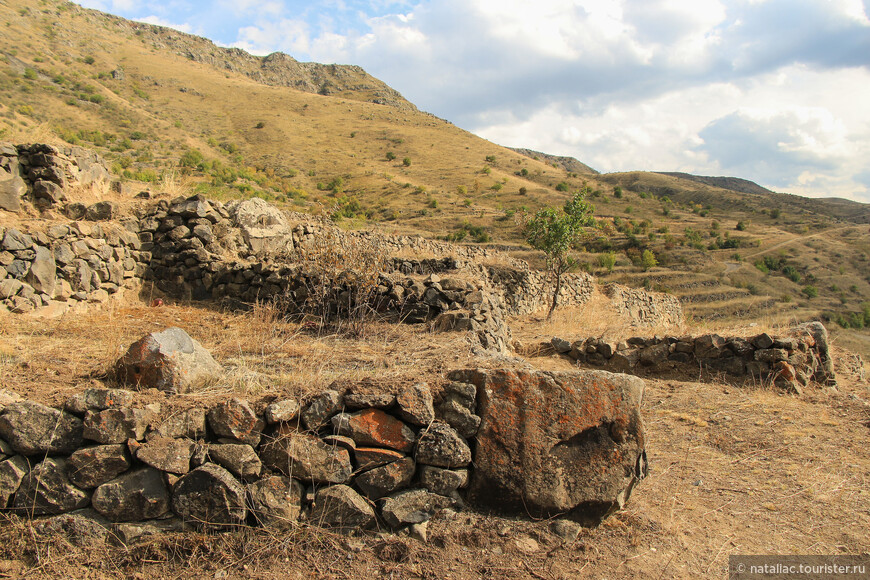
343, 282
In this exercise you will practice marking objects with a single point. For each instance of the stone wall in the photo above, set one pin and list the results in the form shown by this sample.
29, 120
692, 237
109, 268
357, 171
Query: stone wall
645, 308
245, 251
791, 361
41, 173
68, 264
349, 457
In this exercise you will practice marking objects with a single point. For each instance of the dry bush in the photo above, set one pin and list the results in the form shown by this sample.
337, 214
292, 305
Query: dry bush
342, 276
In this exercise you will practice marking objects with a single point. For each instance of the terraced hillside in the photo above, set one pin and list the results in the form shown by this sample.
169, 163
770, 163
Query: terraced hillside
173, 112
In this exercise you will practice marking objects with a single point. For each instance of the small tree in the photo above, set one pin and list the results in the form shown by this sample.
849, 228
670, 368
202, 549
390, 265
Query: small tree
648, 260
556, 232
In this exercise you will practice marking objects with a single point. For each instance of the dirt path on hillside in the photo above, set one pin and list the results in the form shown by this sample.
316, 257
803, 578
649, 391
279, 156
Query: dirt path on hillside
799, 238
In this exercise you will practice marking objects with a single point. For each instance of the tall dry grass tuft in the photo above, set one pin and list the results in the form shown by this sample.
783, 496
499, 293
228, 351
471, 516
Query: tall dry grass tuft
343, 276
173, 184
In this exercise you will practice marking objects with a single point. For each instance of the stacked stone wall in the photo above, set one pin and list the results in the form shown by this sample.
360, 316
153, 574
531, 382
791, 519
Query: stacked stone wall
791, 361
64, 265
41, 173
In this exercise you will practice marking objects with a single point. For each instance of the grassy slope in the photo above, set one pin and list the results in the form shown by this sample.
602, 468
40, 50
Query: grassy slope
167, 104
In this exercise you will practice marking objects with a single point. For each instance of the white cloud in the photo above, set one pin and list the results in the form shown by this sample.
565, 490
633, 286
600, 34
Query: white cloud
160, 22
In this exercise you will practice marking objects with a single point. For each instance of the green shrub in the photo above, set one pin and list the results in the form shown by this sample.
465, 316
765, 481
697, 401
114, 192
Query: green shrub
740, 227
29, 74
607, 261
562, 186
523, 191
648, 260
390, 156
791, 273
191, 158
810, 291
406, 162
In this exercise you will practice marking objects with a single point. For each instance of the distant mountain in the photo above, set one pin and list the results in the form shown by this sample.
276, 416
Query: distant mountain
569, 164
730, 183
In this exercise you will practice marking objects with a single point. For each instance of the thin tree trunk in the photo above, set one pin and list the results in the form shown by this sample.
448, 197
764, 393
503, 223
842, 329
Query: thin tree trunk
555, 294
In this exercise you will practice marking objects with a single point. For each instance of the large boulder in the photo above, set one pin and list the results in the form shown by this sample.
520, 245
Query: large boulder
264, 227
169, 361
816, 334
557, 442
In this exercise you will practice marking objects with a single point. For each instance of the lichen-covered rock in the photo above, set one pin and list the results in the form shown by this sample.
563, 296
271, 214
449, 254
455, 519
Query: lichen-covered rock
440, 445
167, 454
240, 459
169, 361
283, 410
189, 424
370, 457
116, 425
321, 408
137, 495
414, 404
235, 419
34, 429
308, 458
47, 490
209, 497
12, 471
90, 467
459, 417
384, 480
369, 400
264, 227
373, 427
442, 481
98, 400
413, 506
276, 501
557, 442
81, 527
338, 506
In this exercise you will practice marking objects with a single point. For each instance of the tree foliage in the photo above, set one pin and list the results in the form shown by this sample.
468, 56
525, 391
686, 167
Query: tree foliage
556, 232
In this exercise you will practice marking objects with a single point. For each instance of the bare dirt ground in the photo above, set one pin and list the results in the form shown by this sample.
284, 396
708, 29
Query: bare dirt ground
734, 470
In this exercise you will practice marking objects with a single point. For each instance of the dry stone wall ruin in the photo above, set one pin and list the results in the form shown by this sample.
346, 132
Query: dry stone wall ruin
350, 457
791, 361
248, 251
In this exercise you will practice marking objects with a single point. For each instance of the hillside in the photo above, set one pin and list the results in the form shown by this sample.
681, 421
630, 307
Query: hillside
174, 112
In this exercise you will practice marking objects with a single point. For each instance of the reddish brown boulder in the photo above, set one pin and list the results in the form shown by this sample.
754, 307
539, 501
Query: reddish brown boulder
373, 427
557, 442
169, 361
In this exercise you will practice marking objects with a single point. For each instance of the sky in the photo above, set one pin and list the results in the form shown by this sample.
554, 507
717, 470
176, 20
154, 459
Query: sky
775, 91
